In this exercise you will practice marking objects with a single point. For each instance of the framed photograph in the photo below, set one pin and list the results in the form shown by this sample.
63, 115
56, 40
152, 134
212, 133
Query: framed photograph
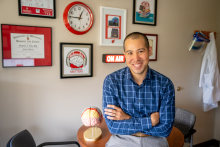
26, 46
37, 8
153, 39
112, 26
145, 12
76, 60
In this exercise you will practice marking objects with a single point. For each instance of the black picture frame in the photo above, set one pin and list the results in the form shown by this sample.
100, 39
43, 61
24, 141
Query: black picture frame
76, 60
46, 11
143, 15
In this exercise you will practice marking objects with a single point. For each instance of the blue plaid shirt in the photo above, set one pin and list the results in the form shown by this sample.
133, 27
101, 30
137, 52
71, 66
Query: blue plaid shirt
155, 94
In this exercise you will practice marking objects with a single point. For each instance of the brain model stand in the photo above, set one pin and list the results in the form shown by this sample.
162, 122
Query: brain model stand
92, 116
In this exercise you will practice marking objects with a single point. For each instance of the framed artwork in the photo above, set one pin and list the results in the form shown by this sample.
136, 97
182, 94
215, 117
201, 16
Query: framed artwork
26, 46
76, 60
153, 39
145, 12
37, 8
112, 26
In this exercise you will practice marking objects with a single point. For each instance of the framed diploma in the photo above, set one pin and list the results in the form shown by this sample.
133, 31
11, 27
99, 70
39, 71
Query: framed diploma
76, 60
37, 8
26, 46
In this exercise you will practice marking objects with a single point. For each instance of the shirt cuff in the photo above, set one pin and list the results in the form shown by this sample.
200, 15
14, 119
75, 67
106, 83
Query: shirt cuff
146, 123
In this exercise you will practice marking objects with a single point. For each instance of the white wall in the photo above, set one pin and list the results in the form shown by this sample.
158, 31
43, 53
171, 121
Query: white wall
38, 100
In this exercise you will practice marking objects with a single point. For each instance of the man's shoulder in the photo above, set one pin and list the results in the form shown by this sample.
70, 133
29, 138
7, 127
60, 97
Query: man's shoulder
155, 75
117, 75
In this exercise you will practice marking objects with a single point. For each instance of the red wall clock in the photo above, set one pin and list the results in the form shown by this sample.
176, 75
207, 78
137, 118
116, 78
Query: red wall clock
78, 18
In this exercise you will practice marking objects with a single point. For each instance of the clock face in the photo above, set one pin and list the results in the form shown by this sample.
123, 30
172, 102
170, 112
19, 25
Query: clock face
78, 18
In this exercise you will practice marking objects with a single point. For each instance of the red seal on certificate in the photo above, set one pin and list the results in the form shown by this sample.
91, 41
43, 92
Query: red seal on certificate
76, 59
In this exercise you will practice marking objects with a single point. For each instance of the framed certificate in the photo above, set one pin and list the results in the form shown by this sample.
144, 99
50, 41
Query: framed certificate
37, 8
26, 46
76, 60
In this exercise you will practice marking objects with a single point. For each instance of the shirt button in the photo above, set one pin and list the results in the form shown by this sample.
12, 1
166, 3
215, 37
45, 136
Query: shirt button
138, 100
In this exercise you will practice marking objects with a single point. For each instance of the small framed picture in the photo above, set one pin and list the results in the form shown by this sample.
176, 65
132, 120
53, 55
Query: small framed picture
145, 12
37, 8
24, 46
153, 39
112, 26
76, 60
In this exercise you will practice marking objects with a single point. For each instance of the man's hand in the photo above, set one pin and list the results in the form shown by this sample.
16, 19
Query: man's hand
116, 114
155, 118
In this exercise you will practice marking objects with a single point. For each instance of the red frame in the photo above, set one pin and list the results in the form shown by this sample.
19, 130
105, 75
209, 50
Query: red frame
65, 18
156, 45
6, 42
107, 26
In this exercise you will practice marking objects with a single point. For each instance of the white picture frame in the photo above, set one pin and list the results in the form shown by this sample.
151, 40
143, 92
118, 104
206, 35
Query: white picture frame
112, 26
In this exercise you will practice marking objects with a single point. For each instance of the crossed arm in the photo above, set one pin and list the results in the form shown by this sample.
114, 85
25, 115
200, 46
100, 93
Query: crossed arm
157, 124
116, 113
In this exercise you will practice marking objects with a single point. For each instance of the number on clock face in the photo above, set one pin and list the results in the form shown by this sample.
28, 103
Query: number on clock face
79, 18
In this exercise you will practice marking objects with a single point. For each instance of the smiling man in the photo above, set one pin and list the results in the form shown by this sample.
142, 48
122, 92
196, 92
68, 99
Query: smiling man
138, 102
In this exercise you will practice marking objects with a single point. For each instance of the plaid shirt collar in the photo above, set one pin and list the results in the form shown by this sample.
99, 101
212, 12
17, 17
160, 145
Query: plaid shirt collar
129, 76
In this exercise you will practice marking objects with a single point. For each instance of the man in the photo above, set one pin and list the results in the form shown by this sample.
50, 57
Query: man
138, 102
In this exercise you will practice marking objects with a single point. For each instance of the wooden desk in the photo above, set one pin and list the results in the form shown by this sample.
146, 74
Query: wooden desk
176, 138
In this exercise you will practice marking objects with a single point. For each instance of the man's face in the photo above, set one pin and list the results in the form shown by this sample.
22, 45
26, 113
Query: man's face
137, 55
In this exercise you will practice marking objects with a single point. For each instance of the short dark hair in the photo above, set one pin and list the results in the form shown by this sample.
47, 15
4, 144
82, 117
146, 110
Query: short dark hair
136, 35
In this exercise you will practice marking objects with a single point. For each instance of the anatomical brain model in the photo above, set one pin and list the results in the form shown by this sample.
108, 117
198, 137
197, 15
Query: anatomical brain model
92, 116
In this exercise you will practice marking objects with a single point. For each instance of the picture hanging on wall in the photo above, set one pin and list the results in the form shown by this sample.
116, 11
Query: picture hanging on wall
76, 60
153, 39
37, 8
145, 12
26, 46
112, 26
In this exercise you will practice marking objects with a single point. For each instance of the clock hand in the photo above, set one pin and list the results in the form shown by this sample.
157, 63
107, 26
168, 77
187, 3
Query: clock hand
81, 15
75, 17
